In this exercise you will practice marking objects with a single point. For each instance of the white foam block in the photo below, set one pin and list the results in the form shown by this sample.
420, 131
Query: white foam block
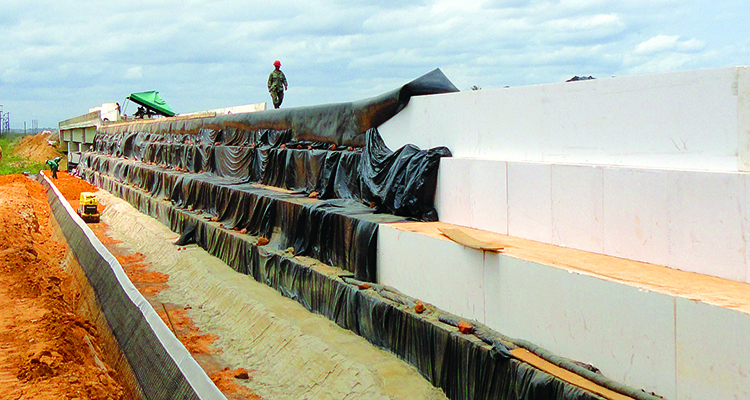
530, 201
686, 119
577, 208
690, 220
625, 332
713, 352
636, 218
706, 213
440, 272
746, 228
473, 193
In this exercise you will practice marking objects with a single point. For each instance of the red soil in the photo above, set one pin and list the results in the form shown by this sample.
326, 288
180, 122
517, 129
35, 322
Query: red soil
150, 283
225, 380
46, 350
37, 148
70, 186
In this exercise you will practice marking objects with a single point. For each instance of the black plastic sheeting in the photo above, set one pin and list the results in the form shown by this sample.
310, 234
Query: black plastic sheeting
360, 188
332, 149
465, 367
338, 232
342, 124
400, 183
157, 374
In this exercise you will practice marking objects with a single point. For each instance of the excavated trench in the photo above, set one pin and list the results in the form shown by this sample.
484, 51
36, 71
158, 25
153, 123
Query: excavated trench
54, 343
251, 341
291, 352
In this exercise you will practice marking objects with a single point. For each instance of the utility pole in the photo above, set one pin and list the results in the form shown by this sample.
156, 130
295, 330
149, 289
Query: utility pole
4, 121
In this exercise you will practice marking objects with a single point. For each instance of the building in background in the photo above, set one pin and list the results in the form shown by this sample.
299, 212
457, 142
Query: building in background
77, 133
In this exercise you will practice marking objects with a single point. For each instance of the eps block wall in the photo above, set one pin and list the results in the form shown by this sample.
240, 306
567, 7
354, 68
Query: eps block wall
678, 348
683, 120
648, 168
697, 221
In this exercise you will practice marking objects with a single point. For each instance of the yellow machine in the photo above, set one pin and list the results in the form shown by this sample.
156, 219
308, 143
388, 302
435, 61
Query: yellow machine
87, 208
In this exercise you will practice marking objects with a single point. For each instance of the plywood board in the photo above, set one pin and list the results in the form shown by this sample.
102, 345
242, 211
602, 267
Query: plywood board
460, 236
567, 376
708, 289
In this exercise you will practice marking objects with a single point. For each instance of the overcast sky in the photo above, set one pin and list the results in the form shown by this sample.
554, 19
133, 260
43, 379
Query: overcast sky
58, 59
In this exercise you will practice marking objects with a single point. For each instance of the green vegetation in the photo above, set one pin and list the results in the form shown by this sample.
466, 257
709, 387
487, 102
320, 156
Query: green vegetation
11, 164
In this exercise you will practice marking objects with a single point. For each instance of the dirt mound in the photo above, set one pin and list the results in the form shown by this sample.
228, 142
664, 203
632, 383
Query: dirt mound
49, 352
71, 186
37, 148
225, 380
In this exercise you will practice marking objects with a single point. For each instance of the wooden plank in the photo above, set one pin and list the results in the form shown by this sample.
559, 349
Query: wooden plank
570, 377
657, 278
460, 236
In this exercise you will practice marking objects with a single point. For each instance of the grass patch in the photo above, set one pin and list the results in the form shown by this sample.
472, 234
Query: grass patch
11, 164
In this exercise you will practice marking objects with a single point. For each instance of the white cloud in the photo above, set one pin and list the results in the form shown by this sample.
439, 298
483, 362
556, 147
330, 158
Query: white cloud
657, 44
585, 22
691, 45
134, 73
663, 43
583, 4
665, 63
340, 50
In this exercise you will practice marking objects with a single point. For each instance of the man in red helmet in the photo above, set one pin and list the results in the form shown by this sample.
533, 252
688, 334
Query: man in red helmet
277, 84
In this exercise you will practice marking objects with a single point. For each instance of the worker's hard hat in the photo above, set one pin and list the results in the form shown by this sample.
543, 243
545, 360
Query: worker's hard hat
277, 63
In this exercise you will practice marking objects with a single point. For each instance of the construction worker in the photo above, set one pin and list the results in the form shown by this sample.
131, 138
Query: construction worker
140, 113
277, 84
53, 165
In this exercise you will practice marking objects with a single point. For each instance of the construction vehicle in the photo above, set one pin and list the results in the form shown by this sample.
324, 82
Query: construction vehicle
88, 208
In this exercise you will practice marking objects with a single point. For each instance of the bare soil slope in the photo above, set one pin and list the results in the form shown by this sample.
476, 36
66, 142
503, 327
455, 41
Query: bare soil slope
46, 350
150, 283
37, 148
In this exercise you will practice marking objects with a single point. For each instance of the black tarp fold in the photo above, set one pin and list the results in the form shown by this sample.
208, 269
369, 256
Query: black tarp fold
342, 124
400, 182
338, 232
